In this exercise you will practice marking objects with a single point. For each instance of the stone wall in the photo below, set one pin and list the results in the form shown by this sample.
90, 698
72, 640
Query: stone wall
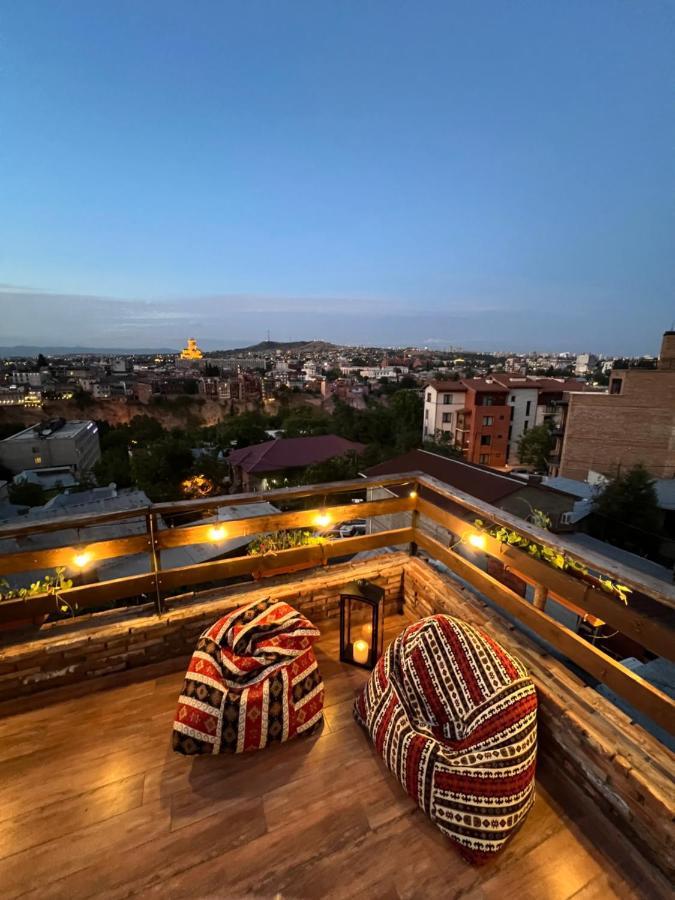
622, 767
110, 643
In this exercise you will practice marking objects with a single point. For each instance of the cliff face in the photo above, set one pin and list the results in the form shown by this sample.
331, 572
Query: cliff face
192, 411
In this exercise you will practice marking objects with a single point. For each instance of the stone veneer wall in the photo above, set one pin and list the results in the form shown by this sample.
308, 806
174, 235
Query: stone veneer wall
78, 650
626, 771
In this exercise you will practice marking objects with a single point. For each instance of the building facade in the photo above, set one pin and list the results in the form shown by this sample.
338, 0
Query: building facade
633, 423
74, 445
486, 418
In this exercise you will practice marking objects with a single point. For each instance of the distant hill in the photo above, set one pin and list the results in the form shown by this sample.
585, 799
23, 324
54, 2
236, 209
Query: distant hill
304, 346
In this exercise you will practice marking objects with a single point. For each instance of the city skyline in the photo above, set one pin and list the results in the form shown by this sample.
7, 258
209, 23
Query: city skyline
463, 174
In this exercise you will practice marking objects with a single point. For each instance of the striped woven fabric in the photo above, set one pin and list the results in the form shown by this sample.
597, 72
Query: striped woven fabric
252, 679
453, 716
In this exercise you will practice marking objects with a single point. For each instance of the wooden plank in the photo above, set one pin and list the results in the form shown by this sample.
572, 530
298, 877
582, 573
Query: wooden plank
31, 560
84, 596
636, 620
638, 692
293, 559
304, 518
280, 495
638, 581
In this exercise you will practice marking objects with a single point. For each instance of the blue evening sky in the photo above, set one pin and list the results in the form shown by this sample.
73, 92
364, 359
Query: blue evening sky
485, 174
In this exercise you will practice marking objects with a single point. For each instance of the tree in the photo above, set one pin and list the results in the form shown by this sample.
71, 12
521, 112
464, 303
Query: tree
535, 446
159, 468
628, 514
306, 422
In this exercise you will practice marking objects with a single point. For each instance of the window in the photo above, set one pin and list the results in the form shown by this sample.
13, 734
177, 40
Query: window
426, 415
510, 431
37, 460
447, 398
485, 440
488, 420
447, 417
528, 407
428, 396
488, 400
526, 425
484, 458
615, 385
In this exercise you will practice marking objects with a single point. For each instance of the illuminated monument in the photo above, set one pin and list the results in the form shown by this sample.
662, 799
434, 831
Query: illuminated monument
192, 351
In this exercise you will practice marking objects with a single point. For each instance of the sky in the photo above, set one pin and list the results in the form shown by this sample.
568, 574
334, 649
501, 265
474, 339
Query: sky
493, 175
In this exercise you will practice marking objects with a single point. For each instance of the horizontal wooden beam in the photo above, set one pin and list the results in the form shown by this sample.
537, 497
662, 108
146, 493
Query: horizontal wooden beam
302, 518
638, 581
637, 691
85, 596
32, 560
279, 495
296, 558
644, 621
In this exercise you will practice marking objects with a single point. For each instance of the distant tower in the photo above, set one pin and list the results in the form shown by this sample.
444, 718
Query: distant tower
192, 351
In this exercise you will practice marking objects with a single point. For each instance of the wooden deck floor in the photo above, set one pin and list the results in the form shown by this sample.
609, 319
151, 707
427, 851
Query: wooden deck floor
94, 804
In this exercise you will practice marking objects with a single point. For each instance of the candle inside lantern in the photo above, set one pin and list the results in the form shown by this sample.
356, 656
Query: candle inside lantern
360, 650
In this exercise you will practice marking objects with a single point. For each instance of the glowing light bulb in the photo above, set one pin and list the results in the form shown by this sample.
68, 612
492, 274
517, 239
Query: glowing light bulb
81, 559
217, 533
323, 519
477, 541
413, 493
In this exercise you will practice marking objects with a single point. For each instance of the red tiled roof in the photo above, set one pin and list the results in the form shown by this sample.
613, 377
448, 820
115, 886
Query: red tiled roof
291, 453
479, 481
446, 385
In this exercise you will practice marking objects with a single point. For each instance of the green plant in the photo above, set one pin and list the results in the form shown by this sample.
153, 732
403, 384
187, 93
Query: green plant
283, 540
552, 557
50, 584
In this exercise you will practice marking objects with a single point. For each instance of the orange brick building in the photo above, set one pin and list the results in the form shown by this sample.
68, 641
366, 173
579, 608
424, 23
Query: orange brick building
633, 423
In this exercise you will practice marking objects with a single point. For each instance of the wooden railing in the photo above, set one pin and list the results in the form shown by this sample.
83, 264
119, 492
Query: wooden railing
648, 617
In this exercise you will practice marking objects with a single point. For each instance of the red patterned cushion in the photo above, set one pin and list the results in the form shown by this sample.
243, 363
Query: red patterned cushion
252, 679
453, 715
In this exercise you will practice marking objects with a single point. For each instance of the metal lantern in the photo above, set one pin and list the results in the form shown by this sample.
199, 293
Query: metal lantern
361, 623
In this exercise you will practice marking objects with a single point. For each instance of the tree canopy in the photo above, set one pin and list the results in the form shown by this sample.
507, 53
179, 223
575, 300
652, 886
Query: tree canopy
535, 446
627, 513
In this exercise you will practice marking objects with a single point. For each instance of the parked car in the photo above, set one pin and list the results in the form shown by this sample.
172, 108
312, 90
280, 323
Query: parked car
353, 528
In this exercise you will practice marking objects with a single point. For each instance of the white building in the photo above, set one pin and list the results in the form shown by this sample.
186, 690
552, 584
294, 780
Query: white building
585, 363
440, 410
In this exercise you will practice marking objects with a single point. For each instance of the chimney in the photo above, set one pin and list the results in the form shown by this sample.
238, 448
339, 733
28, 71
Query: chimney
667, 355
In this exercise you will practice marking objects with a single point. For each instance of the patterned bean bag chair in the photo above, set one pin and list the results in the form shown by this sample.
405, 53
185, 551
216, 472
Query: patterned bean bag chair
453, 716
253, 679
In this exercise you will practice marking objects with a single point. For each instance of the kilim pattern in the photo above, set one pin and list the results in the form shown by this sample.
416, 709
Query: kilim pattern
453, 716
253, 679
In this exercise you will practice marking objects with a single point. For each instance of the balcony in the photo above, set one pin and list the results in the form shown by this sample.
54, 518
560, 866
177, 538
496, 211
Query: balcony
95, 802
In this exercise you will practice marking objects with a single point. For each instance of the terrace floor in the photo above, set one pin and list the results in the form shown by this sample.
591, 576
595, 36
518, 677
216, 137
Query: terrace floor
94, 803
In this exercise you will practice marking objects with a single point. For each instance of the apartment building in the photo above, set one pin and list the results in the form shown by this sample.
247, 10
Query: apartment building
457, 411
55, 443
633, 423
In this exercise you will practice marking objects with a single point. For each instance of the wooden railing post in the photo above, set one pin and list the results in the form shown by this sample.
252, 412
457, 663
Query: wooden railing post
540, 596
155, 561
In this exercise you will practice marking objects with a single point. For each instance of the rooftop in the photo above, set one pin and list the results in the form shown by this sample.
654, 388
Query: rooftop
117, 813
95, 803
55, 430
289, 453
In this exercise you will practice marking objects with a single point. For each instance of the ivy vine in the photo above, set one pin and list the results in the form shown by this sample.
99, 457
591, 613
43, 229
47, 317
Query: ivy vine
552, 557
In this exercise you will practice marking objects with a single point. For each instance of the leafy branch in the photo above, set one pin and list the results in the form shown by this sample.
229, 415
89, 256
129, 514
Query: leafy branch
50, 585
283, 540
552, 557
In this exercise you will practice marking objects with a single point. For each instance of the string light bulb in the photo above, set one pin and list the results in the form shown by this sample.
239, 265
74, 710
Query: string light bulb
323, 519
413, 493
82, 558
217, 533
478, 541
